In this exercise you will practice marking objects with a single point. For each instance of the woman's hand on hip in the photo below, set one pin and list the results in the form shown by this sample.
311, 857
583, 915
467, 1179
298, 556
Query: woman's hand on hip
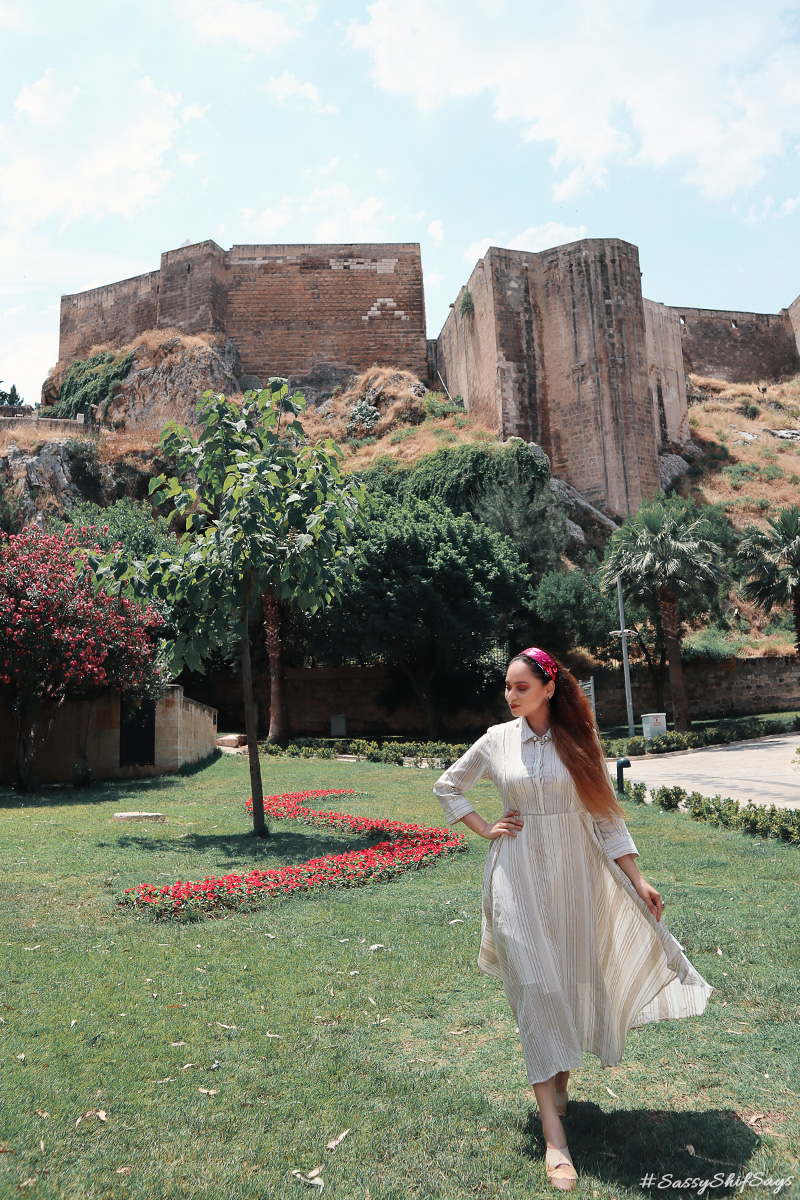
650, 897
510, 824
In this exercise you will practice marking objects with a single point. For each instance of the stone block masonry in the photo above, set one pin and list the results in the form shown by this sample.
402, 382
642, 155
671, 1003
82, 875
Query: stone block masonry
559, 347
554, 351
286, 308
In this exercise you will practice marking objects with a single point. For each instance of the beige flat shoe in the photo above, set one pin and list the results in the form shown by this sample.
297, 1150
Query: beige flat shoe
560, 1169
561, 1106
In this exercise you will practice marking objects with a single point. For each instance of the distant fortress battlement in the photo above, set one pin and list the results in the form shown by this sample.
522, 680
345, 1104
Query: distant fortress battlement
559, 347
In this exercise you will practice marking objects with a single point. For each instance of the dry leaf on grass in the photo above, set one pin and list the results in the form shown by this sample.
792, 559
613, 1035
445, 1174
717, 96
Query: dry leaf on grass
123, 1170
29, 1182
177, 1043
20, 1058
614, 1094
311, 1178
40, 1113
458, 1031
41, 1145
378, 946
186, 1066
226, 1026
756, 1118
209, 1091
455, 921
74, 1021
100, 1113
169, 1079
333, 1144
277, 1035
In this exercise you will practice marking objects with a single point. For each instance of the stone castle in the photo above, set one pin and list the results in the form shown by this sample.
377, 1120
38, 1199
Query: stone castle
559, 347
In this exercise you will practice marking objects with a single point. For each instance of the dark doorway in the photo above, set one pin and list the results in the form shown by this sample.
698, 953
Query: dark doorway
137, 733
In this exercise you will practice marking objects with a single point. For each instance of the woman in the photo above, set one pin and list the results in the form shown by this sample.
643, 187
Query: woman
569, 924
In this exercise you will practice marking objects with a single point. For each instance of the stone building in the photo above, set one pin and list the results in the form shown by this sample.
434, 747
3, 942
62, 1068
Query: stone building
558, 346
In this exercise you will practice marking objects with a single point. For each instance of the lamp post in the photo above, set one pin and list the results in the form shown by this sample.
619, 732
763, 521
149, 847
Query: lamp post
623, 634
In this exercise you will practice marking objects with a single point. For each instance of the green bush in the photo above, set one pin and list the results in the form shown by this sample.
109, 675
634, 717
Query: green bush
91, 382
668, 798
753, 818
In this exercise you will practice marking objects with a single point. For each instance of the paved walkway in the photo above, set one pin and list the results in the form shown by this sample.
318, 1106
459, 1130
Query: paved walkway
759, 770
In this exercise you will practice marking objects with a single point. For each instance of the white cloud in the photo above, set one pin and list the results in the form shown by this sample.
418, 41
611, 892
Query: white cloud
287, 89
44, 102
433, 279
713, 97
194, 112
436, 230
10, 16
542, 237
333, 212
253, 26
537, 237
477, 249
115, 162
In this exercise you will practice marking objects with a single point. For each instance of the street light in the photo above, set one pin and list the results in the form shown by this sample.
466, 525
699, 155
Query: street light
623, 634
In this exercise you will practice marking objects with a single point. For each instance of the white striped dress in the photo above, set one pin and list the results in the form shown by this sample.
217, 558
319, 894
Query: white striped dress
580, 954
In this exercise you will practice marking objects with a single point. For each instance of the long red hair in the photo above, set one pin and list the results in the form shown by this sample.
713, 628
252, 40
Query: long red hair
577, 739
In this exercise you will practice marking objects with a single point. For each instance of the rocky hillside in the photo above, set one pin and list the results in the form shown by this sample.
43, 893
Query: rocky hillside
748, 447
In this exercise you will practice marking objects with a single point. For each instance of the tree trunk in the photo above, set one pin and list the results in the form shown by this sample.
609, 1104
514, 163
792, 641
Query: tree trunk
260, 828
278, 708
796, 616
422, 689
26, 749
668, 606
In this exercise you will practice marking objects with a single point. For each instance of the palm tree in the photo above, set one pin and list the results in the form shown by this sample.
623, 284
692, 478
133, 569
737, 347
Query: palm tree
659, 553
772, 560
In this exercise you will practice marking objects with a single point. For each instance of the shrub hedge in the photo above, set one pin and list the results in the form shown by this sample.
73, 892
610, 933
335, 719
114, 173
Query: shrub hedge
758, 819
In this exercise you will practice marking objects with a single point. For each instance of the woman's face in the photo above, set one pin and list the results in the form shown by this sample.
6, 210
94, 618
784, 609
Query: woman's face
526, 693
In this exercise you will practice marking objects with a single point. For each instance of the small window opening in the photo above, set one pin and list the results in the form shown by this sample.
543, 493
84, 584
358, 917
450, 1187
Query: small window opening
188, 268
733, 324
682, 320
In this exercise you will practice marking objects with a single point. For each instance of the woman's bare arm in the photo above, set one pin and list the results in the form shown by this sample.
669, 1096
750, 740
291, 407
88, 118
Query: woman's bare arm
627, 863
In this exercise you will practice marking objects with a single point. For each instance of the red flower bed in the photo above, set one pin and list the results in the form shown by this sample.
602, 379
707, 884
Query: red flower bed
406, 847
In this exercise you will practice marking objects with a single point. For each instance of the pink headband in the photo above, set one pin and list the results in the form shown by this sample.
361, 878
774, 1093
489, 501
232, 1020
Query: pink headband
543, 659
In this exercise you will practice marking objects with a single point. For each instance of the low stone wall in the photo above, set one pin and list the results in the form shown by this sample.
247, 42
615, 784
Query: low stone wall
365, 696
732, 687
76, 428
185, 732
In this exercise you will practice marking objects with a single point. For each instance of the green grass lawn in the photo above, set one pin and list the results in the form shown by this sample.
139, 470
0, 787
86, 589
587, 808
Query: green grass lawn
408, 1046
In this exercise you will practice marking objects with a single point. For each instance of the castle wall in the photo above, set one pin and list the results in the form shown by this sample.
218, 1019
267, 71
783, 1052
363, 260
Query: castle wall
793, 312
285, 307
113, 314
739, 346
667, 379
564, 337
292, 306
466, 351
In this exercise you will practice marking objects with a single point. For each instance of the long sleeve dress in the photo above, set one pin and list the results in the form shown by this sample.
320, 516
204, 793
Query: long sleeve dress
581, 956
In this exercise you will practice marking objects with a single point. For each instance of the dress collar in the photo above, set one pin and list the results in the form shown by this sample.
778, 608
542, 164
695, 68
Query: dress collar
528, 734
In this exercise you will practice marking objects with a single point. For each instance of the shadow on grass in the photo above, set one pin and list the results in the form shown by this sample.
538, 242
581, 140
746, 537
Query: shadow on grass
62, 794
241, 851
629, 1146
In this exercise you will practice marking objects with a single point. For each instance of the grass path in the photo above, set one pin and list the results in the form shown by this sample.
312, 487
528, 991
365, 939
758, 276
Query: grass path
408, 1046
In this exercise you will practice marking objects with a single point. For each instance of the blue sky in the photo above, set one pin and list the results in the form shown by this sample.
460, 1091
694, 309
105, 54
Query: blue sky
128, 127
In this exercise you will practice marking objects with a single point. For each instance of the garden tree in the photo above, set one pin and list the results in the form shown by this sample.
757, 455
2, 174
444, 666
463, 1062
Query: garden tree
660, 553
531, 516
264, 511
11, 397
431, 594
129, 524
770, 558
62, 638
571, 610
